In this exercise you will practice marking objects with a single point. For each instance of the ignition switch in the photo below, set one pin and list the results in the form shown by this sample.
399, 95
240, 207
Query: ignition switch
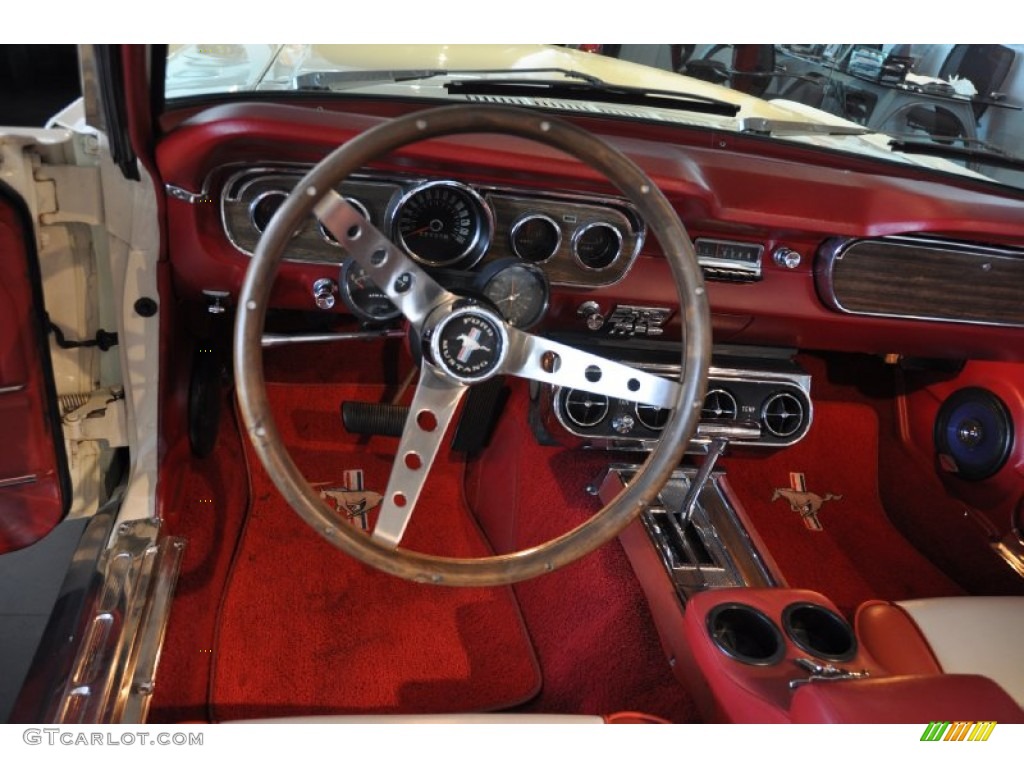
324, 291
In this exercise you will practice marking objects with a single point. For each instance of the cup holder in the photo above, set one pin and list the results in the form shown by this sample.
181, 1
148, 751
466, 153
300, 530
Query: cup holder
745, 634
819, 631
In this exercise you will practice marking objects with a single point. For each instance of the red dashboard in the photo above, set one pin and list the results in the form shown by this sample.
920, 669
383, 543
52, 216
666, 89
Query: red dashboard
738, 189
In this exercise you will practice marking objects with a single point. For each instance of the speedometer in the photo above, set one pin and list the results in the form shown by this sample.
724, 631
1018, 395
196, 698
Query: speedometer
443, 224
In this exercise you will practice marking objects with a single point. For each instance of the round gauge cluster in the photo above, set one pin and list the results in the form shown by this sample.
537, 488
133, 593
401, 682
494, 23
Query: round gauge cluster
443, 224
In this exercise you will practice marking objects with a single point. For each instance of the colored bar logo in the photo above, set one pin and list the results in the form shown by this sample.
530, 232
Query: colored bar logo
968, 731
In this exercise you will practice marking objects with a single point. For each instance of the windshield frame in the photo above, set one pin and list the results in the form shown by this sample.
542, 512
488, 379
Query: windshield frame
884, 149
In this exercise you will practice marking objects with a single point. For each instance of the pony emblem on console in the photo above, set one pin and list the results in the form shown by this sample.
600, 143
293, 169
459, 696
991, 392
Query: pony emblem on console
804, 502
350, 498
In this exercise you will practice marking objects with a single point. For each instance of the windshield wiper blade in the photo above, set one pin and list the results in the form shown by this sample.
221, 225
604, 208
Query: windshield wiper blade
798, 128
986, 155
593, 91
356, 78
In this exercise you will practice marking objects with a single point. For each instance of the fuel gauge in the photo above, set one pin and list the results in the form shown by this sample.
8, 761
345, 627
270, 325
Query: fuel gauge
363, 297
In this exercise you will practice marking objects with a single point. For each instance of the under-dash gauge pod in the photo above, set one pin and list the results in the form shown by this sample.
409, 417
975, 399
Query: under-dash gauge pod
518, 290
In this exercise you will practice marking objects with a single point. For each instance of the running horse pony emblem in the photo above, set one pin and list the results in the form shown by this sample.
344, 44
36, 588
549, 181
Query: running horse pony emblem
806, 503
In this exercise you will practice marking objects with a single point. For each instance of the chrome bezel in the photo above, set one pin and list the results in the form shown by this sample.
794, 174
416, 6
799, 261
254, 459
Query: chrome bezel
636, 412
259, 199
773, 398
484, 227
722, 391
568, 392
518, 224
586, 228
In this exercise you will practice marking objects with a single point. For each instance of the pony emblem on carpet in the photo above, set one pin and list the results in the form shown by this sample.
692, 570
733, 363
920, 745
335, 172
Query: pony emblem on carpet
350, 498
804, 502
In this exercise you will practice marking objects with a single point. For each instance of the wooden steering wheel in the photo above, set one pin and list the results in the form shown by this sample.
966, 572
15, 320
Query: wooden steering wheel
466, 342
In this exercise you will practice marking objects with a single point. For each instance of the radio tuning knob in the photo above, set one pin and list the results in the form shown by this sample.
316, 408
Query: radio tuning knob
786, 258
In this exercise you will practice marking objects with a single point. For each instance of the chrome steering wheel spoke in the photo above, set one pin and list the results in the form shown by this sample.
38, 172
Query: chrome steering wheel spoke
551, 362
433, 405
409, 287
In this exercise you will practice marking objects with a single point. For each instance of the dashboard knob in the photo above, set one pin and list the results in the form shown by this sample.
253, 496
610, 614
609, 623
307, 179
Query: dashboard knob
623, 424
786, 258
592, 315
324, 291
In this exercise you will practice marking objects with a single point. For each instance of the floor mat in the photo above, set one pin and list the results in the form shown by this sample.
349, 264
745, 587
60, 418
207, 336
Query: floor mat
594, 633
842, 545
303, 628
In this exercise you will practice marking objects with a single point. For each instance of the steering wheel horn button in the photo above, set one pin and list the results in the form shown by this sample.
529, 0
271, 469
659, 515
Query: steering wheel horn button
469, 345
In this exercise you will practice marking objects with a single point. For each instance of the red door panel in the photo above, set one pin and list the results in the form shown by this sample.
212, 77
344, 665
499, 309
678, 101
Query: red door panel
34, 486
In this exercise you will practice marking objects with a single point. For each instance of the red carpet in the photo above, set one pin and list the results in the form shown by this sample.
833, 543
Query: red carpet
589, 621
304, 628
858, 554
206, 505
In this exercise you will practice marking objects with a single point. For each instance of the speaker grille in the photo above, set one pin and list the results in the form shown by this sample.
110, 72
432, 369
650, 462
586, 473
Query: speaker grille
973, 434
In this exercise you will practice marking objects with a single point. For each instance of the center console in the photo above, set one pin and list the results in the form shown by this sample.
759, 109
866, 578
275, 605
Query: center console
748, 652
748, 648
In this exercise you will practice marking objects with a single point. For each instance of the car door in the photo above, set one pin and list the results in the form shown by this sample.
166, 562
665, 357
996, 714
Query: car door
35, 489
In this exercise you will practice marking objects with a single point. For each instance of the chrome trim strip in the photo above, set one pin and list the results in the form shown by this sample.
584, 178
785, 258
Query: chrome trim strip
10, 482
42, 696
102, 646
179, 193
834, 249
152, 631
10, 390
284, 339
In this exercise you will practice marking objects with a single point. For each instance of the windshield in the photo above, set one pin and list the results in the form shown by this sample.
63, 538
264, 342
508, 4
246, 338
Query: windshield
951, 108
